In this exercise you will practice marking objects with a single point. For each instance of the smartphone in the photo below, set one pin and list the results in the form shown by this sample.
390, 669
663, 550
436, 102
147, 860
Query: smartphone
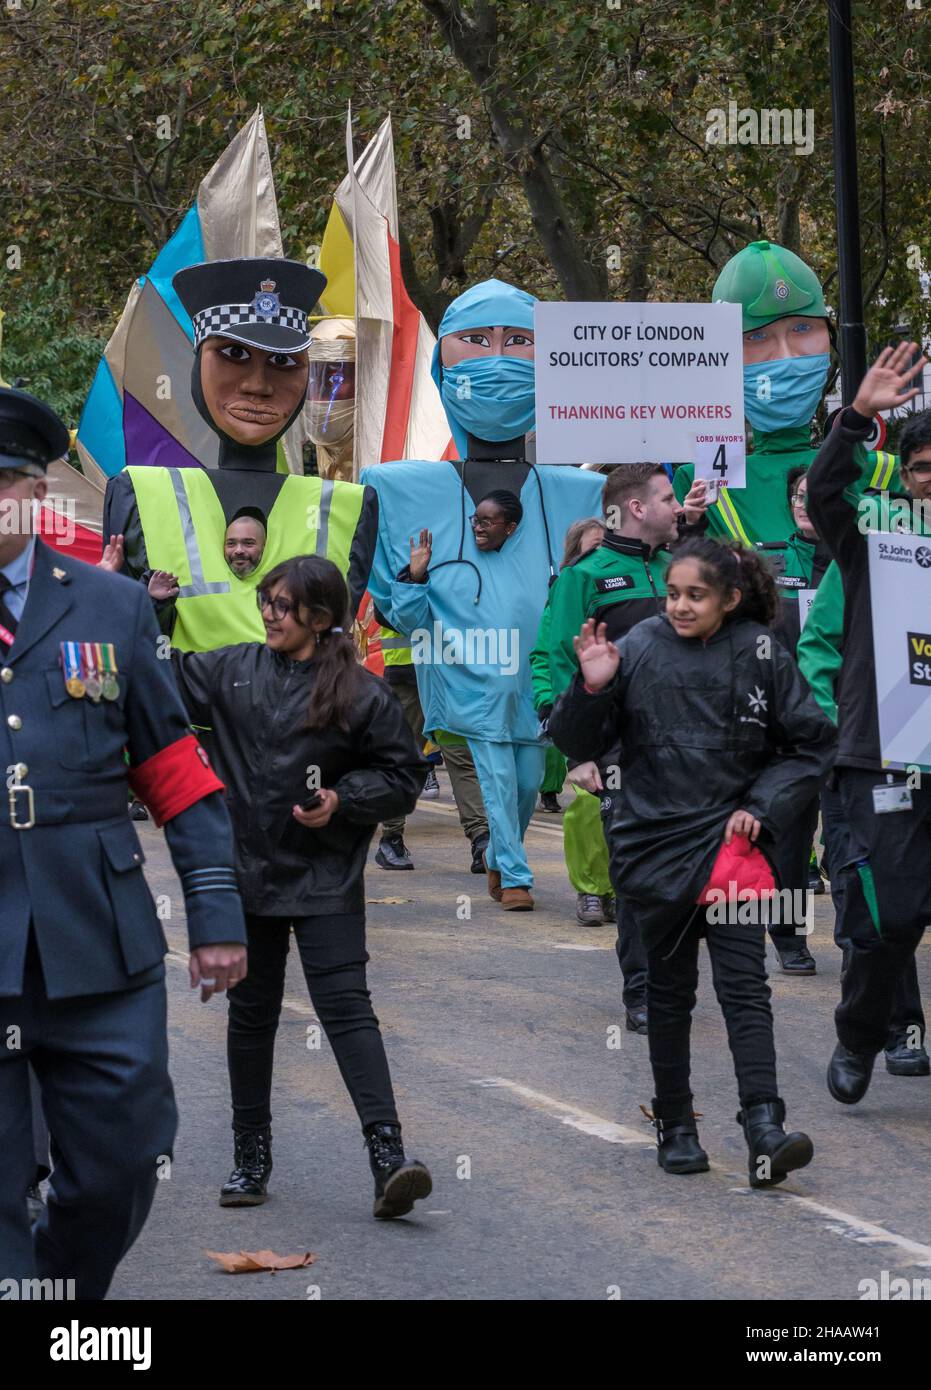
312, 802
711, 490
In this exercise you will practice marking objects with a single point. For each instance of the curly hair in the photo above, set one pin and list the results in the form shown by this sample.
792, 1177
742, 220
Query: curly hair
727, 565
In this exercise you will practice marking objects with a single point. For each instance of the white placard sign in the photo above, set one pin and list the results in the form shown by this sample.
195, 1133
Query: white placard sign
806, 598
900, 595
631, 383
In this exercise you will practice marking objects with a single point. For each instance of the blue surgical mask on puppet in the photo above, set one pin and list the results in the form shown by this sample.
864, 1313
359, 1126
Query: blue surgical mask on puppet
489, 397
780, 394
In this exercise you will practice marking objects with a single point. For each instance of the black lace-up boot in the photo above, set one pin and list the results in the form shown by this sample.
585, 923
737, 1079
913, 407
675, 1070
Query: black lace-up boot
772, 1152
399, 1181
248, 1182
677, 1146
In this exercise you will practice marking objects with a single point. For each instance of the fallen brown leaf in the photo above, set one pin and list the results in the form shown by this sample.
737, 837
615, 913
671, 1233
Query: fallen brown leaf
257, 1261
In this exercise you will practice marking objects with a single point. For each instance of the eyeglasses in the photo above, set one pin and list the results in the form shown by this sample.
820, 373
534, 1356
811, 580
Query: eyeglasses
482, 523
8, 474
281, 607
921, 471
800, 499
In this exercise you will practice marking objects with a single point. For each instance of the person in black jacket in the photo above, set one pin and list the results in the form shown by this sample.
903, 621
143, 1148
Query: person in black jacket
718, 738
887, 873
314, 752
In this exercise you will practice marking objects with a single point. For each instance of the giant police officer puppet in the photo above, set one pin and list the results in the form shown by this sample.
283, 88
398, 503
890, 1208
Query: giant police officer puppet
82, 988
249, 382
483, 366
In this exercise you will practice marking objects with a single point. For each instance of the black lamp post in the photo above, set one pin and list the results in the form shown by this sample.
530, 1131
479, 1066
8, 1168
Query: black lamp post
852, 330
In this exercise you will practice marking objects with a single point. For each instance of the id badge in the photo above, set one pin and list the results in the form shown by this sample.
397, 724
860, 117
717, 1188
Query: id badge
890, 797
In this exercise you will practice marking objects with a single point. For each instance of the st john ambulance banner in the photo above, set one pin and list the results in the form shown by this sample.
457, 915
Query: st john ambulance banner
632, 383
900, 593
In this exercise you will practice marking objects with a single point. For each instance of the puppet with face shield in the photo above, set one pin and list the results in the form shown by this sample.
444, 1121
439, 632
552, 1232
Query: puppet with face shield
331, 396
473, 620
249, 382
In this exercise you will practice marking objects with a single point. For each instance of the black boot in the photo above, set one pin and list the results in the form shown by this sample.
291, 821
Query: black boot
399, 1181
677, 1146
248, 1182
772, 1152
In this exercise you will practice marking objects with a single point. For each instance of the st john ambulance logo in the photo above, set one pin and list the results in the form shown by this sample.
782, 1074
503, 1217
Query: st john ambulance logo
757, 701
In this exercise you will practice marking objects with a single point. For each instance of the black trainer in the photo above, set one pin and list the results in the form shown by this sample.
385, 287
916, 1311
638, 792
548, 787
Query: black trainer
248, 1182
796, 960
392, 853
773, 1154
549, 801
399, 1181
636, 1020
479, 846
904, 1060
677, 1146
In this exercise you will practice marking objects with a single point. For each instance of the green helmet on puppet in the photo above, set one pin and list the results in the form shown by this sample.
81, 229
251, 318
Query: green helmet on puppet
769, 282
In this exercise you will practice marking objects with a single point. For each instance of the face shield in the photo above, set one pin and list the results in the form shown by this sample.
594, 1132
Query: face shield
331, 391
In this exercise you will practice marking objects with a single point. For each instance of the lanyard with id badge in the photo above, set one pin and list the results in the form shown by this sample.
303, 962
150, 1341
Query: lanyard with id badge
891, 796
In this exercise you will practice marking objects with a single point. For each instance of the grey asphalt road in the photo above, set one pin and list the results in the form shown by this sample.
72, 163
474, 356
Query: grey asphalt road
517, 1084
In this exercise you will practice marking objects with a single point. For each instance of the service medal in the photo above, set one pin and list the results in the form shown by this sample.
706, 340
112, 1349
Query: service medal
72, 665
89, 671
110, 687
107, 662
75, 687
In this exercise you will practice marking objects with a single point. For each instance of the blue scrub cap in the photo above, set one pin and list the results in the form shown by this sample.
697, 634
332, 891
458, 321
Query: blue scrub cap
489, 304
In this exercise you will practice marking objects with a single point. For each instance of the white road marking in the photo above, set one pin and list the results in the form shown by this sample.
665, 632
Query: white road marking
294, 1005
575, 946
570, 1115
839, 1222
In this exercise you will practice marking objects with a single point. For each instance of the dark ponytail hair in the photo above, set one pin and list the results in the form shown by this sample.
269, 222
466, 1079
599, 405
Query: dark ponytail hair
726, 565
317, 586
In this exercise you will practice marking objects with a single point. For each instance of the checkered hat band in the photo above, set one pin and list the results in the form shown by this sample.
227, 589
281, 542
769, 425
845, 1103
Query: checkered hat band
210, 322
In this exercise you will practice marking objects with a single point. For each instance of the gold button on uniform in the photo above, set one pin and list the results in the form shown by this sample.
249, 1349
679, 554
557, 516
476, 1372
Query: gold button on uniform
6, 675
14, 721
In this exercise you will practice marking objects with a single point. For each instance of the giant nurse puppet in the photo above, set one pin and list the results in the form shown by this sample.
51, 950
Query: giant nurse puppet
473, 611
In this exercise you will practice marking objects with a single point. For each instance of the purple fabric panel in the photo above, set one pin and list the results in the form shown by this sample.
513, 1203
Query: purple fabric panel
148, 442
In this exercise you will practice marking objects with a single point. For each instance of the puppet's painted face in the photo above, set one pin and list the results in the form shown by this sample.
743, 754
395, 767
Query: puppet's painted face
795, 336
250, 394
486, 342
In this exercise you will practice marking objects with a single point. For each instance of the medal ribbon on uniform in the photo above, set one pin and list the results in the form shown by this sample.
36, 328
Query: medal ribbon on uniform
71, 664
106, 656
89, 670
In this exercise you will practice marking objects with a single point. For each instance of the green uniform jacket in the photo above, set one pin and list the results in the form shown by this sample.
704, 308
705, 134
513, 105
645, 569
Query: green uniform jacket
620, 582
760, 511
819, 648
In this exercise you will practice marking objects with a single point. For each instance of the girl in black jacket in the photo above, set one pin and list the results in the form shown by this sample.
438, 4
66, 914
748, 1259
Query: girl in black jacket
314, 752
719, 739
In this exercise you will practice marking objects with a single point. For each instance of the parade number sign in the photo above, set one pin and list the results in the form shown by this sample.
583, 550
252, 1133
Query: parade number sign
633, 383
900, 594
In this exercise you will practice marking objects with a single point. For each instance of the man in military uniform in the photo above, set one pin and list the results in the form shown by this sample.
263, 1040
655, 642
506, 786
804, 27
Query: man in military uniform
249, 381
82, 992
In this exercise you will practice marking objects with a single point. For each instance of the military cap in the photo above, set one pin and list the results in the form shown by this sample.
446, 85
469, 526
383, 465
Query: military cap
263, 302
30, 431
769, 282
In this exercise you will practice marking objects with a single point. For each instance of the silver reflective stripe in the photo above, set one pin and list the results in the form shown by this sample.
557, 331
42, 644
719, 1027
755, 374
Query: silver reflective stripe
323, 526
391, 644
198, 583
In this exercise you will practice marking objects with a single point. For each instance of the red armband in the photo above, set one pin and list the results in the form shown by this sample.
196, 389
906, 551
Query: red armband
173, 779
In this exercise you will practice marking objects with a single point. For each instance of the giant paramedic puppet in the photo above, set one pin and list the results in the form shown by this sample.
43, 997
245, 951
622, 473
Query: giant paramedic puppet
249, 382
473, 619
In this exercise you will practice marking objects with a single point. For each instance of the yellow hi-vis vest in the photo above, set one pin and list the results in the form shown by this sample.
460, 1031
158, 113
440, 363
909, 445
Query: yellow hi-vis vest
396, 649
184, 528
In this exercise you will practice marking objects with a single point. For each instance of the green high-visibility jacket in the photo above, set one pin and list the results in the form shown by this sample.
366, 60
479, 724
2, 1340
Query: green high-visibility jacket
760, 511
184, 527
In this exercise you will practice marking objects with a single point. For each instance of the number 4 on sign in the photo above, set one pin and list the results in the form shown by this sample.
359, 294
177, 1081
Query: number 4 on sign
721, 459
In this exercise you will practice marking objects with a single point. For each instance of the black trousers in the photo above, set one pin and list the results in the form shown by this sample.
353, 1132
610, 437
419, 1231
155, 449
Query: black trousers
887, 887
101, 1062
792, 856
738, 970
631, 953
906, 1001
333, 955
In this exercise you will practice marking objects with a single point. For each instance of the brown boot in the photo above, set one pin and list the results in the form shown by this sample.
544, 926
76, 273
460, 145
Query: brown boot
494, 881
516, 900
